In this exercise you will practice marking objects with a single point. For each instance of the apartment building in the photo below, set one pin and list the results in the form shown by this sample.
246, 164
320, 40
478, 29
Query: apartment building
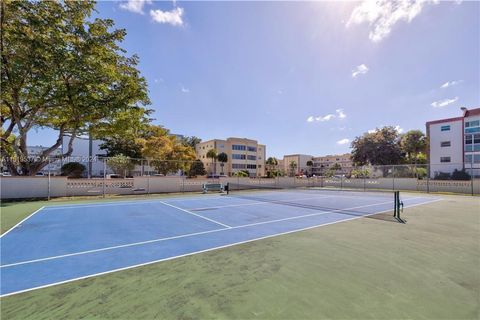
454, 143
296, 164
243, 154
324, 163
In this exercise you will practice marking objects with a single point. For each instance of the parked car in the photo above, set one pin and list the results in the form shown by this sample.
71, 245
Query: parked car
6, 174
39, 174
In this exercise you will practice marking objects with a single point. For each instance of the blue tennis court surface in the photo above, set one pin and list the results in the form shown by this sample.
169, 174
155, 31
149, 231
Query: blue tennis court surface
63, 243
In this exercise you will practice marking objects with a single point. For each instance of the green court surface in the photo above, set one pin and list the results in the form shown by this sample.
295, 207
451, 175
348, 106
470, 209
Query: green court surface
367, 268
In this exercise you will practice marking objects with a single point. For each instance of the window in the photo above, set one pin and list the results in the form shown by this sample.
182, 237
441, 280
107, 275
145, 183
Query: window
238, 156
445, 128
468, 139
472, 130
249, 157
252, 149
476, 138
238, 165
475, 123
445, 144
239, 147
445, 159
468, 158
251, 166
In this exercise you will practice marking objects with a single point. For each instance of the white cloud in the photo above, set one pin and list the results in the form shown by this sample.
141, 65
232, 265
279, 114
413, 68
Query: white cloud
382, 15
341, 114
450, 83
184, 90
343, 141
443, 103
397, 127
361, 69
173, 17
135, 6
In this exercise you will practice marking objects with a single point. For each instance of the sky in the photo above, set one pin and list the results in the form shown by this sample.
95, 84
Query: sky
301, 77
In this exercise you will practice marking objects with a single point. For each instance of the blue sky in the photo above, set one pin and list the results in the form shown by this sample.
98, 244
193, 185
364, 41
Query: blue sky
301, 77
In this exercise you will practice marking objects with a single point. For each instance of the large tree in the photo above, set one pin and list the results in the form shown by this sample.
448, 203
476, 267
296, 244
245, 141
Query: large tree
414, 145
61, 69
190, 141
380, 147
165, 152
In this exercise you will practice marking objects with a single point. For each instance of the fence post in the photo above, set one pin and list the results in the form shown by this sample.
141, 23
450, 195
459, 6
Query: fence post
49, 181
104, 175
393, 177
472, 176
428, 178
148, 177
183, 183
364, 171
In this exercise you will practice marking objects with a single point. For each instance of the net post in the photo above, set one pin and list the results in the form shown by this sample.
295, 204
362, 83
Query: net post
395, 204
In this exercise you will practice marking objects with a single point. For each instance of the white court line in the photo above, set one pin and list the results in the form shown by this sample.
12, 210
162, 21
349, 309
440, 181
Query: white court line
195, 214
203, 251
256, 202
31, 215
193, 234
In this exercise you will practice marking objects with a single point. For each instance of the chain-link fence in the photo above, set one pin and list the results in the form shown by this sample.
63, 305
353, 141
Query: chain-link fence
101, 176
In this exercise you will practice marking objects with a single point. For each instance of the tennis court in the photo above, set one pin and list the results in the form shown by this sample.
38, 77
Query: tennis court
59, 244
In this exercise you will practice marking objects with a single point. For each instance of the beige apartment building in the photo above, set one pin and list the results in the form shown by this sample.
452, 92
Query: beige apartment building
243, 154
296, 164
322, 164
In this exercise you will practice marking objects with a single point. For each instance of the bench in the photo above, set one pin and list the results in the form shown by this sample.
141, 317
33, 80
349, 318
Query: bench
213, 187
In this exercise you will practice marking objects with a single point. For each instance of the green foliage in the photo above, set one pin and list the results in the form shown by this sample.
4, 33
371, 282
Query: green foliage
73, 170
310, 163
360, 173
413, 143
63, 69
274, 173
421, 173
460, 175
381, 147
222, 157
442, 176
120, 164
293, 167
165, 152
212, 154
272, 161
197, 169
190, 141
242, 174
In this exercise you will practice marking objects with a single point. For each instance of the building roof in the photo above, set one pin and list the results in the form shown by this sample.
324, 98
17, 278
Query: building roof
466, 113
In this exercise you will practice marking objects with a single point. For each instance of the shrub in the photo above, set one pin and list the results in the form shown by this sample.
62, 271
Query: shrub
460, 175
73, 170
442, 176
242, 173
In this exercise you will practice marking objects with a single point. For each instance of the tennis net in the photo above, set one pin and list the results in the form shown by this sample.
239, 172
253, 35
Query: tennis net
272, 193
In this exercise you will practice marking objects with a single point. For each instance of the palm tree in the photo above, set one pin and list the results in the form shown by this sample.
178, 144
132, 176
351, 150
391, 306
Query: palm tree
271, 166
293, 168
310, 165
212, 154
222, 157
